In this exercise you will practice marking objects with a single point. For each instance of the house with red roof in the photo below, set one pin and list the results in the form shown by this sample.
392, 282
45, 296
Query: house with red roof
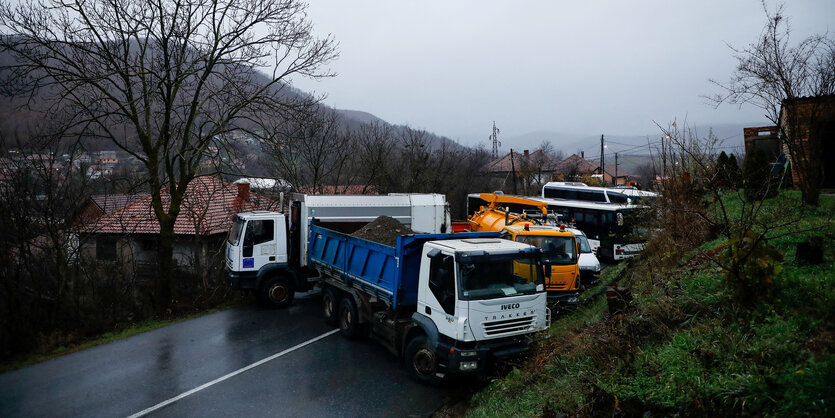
130, 234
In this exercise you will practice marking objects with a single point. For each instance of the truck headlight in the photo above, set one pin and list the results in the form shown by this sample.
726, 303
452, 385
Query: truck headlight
468, 365
468, 353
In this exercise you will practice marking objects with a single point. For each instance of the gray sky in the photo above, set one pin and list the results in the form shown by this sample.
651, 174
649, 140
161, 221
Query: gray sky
452, 67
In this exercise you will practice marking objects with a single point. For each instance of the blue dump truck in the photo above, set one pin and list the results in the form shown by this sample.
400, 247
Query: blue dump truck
445, 303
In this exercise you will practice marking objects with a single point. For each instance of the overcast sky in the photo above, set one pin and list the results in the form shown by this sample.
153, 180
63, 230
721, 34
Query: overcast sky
579, 67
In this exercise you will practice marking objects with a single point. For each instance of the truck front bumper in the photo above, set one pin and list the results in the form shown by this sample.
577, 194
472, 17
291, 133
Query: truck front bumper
241, 280
477, 359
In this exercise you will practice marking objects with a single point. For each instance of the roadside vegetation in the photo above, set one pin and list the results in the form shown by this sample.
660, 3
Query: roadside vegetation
697, 338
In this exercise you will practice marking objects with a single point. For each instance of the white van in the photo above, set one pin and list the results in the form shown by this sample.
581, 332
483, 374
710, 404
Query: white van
589, 265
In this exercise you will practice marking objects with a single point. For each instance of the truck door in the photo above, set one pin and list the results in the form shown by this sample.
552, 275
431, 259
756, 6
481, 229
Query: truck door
259, 244
440, 299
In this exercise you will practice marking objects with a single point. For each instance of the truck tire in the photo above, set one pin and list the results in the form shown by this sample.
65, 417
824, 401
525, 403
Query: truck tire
330, 305
277, 292
349, 318
422, 361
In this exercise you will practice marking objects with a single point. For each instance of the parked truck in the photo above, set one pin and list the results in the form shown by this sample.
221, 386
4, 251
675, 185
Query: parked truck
561, 250
267, 254
445, 303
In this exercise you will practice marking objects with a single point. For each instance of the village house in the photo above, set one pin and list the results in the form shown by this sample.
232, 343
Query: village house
129, 235
532, 169
814, 123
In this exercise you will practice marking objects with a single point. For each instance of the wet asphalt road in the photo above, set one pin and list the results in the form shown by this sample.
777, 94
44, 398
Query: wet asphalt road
328, 377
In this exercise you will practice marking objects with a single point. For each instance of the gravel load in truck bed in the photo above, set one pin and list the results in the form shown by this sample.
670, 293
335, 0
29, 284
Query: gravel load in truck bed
383, 230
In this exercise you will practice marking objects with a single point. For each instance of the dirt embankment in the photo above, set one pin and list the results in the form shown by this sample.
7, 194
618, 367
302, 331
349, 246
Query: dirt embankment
383, 230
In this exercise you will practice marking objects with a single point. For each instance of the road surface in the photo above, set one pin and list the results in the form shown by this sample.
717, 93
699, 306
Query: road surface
245, 361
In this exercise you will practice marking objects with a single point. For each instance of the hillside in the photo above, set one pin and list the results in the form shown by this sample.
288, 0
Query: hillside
18, 121
690, 344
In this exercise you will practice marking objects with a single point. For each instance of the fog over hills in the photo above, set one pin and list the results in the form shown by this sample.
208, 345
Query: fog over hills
729, 136
15, 122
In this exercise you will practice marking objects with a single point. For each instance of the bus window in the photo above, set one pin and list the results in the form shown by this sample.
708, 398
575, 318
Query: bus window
617, 198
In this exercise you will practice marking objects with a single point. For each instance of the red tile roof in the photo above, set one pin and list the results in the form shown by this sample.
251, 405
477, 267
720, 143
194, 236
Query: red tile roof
110, 202
576, 164
207, 209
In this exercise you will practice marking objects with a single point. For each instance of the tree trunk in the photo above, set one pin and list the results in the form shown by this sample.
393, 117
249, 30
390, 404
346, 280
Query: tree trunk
810, 190
162, 294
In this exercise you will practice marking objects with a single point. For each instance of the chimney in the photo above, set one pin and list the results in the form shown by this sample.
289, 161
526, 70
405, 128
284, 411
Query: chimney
243, 190
583, 155
526, 153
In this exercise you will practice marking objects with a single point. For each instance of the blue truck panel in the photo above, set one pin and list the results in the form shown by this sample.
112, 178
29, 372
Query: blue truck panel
389, 273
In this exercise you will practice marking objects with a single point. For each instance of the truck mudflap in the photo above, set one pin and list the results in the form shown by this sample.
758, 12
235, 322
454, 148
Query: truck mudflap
483, 355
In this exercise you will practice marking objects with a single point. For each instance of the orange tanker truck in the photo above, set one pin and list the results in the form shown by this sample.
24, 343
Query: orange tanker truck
560, 249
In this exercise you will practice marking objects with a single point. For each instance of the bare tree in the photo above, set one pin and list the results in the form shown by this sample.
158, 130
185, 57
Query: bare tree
311, 150
162, 79
375, 145
775, 75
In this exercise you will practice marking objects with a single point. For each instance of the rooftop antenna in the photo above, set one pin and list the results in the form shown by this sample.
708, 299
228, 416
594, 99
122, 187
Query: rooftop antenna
495, 139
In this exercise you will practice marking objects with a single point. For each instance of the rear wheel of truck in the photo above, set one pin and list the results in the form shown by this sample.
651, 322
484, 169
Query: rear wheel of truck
277, 292
349, 318
422, 361
330, 303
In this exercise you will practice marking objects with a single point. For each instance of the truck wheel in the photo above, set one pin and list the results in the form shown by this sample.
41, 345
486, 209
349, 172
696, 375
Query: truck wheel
277, 292
349, 318
422, 361
330, 303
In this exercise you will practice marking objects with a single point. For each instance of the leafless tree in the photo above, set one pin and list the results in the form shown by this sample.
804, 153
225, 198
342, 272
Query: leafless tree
311, 150
774, 74
162, 79
375, 144
410, 172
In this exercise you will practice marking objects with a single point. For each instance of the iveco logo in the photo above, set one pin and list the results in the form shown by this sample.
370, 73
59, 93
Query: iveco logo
510, 306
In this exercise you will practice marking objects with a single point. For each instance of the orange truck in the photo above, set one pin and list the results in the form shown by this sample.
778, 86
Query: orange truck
561, 251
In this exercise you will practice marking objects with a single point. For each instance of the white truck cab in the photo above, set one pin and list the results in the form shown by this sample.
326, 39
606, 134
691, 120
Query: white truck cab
480, 289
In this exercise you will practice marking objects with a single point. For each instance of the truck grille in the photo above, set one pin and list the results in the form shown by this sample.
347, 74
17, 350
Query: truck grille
508, 326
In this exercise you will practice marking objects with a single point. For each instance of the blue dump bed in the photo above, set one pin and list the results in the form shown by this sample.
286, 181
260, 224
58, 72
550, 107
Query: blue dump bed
389, 273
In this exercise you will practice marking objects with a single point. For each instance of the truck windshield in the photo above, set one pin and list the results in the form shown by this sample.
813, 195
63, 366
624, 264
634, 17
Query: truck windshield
235, 232
500, 276
555, 249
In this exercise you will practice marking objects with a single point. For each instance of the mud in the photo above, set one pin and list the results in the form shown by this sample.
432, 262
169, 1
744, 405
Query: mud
383, 230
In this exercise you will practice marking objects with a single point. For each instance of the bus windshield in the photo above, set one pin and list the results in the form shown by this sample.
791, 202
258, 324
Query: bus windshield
501, 276
555, 249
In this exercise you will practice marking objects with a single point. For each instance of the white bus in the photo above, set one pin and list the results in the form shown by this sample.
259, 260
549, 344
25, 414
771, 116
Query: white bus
582, 192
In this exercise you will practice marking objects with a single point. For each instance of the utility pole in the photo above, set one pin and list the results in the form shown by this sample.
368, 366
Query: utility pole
602, 162
496, 144
616, 169
513, 171
664, 156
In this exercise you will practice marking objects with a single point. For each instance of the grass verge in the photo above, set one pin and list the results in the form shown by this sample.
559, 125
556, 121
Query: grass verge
688, 347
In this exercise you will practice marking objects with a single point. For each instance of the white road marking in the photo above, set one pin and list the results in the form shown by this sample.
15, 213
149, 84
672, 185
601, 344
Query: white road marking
235, 373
